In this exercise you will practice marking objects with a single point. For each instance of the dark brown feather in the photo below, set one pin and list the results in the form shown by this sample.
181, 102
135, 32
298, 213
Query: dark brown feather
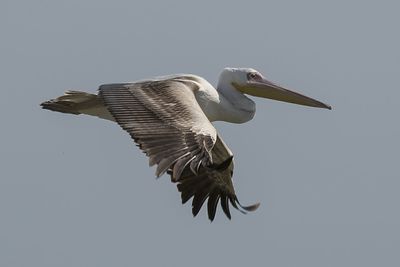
213, 182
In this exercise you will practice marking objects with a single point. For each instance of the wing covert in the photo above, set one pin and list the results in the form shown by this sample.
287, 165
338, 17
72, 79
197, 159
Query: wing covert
165, 120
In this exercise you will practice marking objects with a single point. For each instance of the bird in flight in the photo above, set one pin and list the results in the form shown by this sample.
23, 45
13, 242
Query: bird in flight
170, 119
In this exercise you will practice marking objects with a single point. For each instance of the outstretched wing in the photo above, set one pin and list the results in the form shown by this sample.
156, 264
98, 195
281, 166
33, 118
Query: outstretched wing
165, 120
213, 183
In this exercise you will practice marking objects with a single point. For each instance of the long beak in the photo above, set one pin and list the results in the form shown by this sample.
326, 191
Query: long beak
266, 89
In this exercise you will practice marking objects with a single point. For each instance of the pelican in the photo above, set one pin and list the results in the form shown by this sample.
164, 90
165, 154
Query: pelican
170, 119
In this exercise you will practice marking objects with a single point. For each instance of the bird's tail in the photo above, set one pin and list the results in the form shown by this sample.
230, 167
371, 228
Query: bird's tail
77, 102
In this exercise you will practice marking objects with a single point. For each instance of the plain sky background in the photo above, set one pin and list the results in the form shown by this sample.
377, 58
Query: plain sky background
75, 191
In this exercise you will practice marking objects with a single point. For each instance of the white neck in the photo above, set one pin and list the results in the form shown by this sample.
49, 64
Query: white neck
234, 106
224, 104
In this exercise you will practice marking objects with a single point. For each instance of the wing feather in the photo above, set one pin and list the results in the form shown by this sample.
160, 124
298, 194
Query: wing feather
213, 183
165, 120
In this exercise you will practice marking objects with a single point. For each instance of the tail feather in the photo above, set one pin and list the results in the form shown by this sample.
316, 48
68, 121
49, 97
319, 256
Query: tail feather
77, 102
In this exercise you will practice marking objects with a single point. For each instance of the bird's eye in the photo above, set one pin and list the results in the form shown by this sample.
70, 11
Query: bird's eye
252, 75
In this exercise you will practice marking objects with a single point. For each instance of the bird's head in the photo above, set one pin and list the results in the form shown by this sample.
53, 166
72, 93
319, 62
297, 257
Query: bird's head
251, 82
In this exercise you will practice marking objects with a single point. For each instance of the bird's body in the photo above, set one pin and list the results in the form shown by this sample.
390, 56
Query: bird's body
216, 104
170, 119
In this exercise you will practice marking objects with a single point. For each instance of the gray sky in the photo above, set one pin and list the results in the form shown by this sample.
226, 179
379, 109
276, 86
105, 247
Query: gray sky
75, 191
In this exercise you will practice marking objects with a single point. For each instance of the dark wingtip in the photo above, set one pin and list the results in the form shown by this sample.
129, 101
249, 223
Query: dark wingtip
251, 207
212, 205
225, 207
